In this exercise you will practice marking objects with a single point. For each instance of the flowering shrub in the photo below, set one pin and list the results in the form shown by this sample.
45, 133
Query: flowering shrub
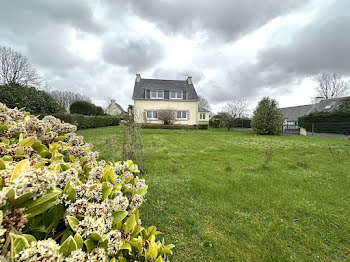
58, 203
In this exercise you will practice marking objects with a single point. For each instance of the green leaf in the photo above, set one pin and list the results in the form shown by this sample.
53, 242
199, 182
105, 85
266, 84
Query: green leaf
109, 175
50, 195
18, 243
95, 237
5, 141
22, 198
40, 208
2, 165
70, 191
90, 245
66, 234
60, 138
119, 216
68, 246
29, 141
79, 240
29, 238
106, 190
3, 128
130, 224
126, 246
142, 191
7, 158
73, 222
11, 195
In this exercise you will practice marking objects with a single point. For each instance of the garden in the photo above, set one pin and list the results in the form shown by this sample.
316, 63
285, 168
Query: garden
221, 195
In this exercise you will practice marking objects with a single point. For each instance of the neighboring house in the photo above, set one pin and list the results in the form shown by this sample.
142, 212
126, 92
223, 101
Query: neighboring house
291, 114
152, 95
114, 109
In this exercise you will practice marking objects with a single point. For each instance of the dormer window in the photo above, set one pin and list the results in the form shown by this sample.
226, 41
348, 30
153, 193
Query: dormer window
175, 95
157, 94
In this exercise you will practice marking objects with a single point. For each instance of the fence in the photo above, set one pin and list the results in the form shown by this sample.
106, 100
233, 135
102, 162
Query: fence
291, 129
336, 129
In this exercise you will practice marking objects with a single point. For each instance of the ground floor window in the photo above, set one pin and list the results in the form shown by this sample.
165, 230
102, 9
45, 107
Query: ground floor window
202, 116
151, 114
181, 115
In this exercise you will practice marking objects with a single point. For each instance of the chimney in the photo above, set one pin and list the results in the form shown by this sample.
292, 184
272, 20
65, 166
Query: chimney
113, 101
189, 80
138, 78
318, 99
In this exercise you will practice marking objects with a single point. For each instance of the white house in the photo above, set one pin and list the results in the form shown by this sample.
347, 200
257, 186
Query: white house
152, 95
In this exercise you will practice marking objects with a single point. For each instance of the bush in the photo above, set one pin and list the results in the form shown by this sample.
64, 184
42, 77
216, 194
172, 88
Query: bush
203, 126
215, 122
161, 126
59, 203
33, 100
84, 122
83, 108
335, 122
99, 111
267, 119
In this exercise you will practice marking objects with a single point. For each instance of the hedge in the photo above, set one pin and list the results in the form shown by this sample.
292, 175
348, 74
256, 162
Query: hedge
162, 126
84, 108
336, 122
84, 122
33, 100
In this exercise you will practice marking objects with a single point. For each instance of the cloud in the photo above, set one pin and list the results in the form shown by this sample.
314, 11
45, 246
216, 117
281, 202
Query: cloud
226, 19
137, 54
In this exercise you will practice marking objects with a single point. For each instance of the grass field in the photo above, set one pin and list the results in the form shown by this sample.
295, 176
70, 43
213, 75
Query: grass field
211, 197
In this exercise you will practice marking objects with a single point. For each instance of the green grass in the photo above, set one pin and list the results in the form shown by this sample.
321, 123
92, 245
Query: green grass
210, 196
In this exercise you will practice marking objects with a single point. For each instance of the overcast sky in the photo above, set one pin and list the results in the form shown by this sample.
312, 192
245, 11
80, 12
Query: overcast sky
231, 48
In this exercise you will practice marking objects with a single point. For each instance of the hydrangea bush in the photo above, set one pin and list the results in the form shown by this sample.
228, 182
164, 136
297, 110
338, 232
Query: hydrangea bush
59, 203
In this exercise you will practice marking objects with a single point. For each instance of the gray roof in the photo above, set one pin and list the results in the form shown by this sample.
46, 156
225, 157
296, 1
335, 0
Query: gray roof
166, 85
326, 105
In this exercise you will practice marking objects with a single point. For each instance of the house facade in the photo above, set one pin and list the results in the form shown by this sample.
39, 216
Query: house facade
152, 95
114, 109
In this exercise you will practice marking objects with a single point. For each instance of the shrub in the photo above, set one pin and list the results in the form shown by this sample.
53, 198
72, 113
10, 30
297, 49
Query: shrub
99, 111
84, 122
267, 119
83, 108
33, 100
203, 126
59, 203
166, 115
215, 122
336, 122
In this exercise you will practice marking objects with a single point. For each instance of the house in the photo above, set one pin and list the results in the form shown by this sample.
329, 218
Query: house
291, 114
114, 109
152, 95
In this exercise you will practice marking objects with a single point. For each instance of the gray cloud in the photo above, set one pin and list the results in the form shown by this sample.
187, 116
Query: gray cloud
137, 55
226, 19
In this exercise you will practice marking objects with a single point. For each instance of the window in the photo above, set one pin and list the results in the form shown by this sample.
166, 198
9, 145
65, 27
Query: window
175, 95
151, 114
181, 115
148, 94
157, 94
202, 116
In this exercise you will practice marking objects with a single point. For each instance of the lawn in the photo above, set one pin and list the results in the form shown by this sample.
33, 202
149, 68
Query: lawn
211, 197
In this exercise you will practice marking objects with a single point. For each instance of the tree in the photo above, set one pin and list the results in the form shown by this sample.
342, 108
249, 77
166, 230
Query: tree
267, 119
66, 98
203, 103
83, 108
233, 111
166, 115
16, 69
332, 86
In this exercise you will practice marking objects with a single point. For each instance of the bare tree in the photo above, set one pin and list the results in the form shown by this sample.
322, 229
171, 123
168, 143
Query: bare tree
233, 111
166, 115
332, 86
66, 98
238, 108
16, 69
203, 103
